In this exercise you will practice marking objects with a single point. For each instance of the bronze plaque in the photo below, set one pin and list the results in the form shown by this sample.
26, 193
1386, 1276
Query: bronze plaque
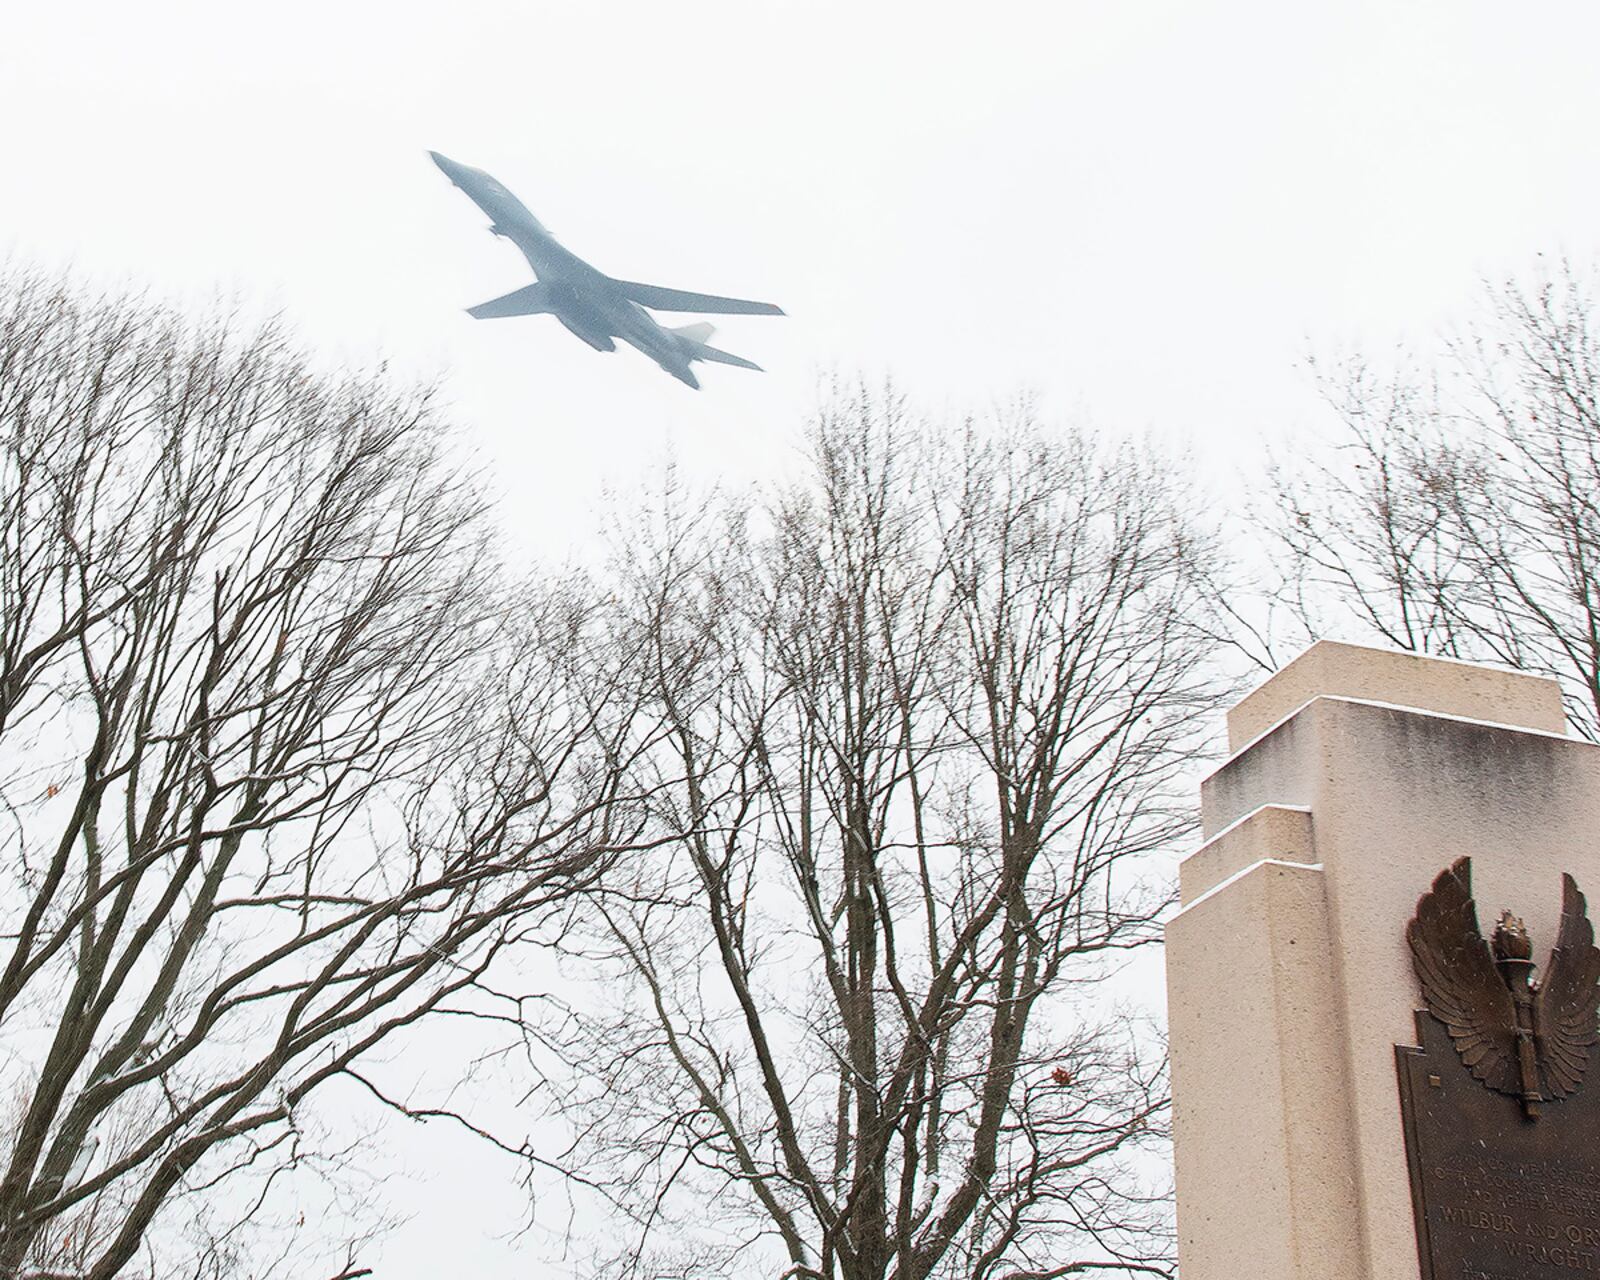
1502, 1138
1497, 1195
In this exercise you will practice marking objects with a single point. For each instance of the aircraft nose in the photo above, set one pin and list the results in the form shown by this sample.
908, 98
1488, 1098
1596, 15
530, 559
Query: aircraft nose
444, 162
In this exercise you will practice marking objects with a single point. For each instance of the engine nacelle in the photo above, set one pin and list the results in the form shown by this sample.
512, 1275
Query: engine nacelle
595, 335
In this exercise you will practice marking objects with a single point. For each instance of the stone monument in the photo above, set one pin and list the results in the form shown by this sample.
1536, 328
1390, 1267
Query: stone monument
1367, 1085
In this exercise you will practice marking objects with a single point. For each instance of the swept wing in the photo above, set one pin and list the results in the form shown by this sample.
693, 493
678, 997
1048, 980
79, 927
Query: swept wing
661, 299
531, 300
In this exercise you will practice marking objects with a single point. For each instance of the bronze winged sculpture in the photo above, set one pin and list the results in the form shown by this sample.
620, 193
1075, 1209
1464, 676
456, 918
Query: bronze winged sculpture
1528, 1039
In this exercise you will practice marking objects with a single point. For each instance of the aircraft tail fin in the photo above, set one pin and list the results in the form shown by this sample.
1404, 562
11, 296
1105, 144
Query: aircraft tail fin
693, 337
531, 300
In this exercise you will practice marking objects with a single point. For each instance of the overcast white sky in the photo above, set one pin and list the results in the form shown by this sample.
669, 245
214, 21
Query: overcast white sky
1146, 212
1143, 211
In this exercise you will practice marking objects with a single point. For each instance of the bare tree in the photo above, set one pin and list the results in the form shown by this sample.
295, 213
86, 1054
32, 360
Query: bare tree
927, 711
287, 765
1461, 513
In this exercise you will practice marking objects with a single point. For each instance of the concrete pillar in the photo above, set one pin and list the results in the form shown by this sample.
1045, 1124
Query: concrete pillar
1357, 775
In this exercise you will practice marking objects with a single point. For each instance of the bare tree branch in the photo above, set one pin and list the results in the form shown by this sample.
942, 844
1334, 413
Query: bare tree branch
289, 766
926, 712
1460, 517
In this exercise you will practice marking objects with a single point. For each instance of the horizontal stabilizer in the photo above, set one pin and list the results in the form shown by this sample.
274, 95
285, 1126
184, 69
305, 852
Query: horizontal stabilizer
532, 300
653, 295
699, 351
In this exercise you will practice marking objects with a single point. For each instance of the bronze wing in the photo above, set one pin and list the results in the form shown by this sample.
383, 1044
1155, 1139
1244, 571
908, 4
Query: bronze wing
1460, 983
1565, 1022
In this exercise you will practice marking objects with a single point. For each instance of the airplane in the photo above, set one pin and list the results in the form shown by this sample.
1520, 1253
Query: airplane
588, 302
